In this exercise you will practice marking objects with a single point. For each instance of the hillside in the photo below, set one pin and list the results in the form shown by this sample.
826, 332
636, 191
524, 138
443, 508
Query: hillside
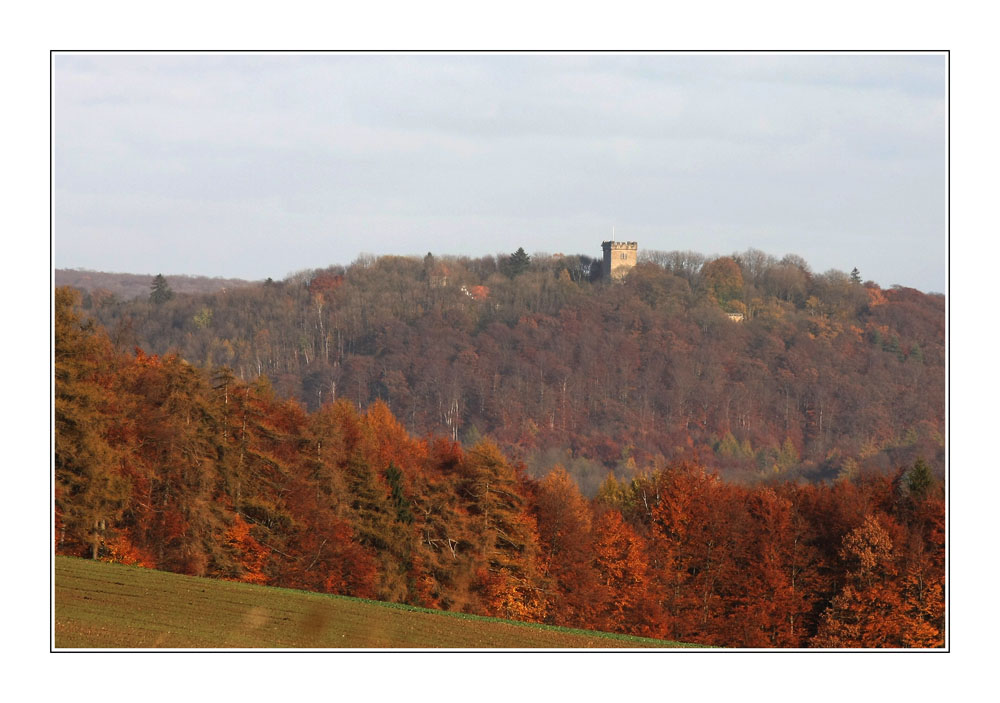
825, 377
100, 605
107, 287
159, 463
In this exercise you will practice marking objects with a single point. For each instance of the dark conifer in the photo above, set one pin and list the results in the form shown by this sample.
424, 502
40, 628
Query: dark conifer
161, 292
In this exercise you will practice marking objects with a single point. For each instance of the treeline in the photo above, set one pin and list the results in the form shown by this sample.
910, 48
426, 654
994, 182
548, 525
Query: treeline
109, 288
162, 464
826, 375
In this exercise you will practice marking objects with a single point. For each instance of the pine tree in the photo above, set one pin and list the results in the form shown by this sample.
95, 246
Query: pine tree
394, 476
518, 263
161, 292
919, 479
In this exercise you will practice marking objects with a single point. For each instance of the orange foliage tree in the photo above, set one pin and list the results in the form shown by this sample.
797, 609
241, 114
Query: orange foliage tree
875, 608
622, 566
506, 534
157, 463
565, 532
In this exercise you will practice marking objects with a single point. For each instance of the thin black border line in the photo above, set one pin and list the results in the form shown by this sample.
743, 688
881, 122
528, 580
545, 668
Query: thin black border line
52, 376
947, 352
526, 52
624, 52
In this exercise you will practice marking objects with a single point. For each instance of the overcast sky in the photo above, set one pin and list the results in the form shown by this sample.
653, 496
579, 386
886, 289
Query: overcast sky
258, 166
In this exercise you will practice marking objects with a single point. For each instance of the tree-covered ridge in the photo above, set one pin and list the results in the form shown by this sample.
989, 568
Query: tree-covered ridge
825, 376
163, 464
107, 287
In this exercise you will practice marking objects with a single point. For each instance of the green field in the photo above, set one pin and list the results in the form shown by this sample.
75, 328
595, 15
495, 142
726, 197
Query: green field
100, 605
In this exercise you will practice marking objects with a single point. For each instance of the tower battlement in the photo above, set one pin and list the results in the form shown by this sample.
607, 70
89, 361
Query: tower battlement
619, 258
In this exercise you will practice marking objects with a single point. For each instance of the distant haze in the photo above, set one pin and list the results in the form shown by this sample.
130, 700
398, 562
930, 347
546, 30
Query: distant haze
255, 166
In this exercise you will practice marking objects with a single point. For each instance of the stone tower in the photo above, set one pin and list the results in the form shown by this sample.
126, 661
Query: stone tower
619, 258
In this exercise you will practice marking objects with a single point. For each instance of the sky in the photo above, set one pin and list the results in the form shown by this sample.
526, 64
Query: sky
256, 166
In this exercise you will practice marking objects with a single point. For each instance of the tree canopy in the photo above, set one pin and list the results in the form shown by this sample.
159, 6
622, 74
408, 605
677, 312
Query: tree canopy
163, 464
822, 377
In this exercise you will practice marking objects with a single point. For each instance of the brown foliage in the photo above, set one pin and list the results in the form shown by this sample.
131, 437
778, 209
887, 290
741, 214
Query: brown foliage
157, 464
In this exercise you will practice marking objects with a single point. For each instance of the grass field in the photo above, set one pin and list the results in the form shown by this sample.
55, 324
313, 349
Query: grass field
100, 605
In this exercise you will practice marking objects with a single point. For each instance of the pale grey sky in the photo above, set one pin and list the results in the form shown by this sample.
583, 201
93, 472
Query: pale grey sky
260, 165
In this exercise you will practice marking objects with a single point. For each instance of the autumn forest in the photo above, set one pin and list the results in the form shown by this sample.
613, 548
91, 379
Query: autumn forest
735, 451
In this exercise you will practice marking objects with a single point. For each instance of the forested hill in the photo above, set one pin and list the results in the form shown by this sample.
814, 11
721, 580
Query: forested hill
825, 376
111, 287
161, 464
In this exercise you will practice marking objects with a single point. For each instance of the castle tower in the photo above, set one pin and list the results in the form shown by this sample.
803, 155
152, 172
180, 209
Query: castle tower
619, 258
